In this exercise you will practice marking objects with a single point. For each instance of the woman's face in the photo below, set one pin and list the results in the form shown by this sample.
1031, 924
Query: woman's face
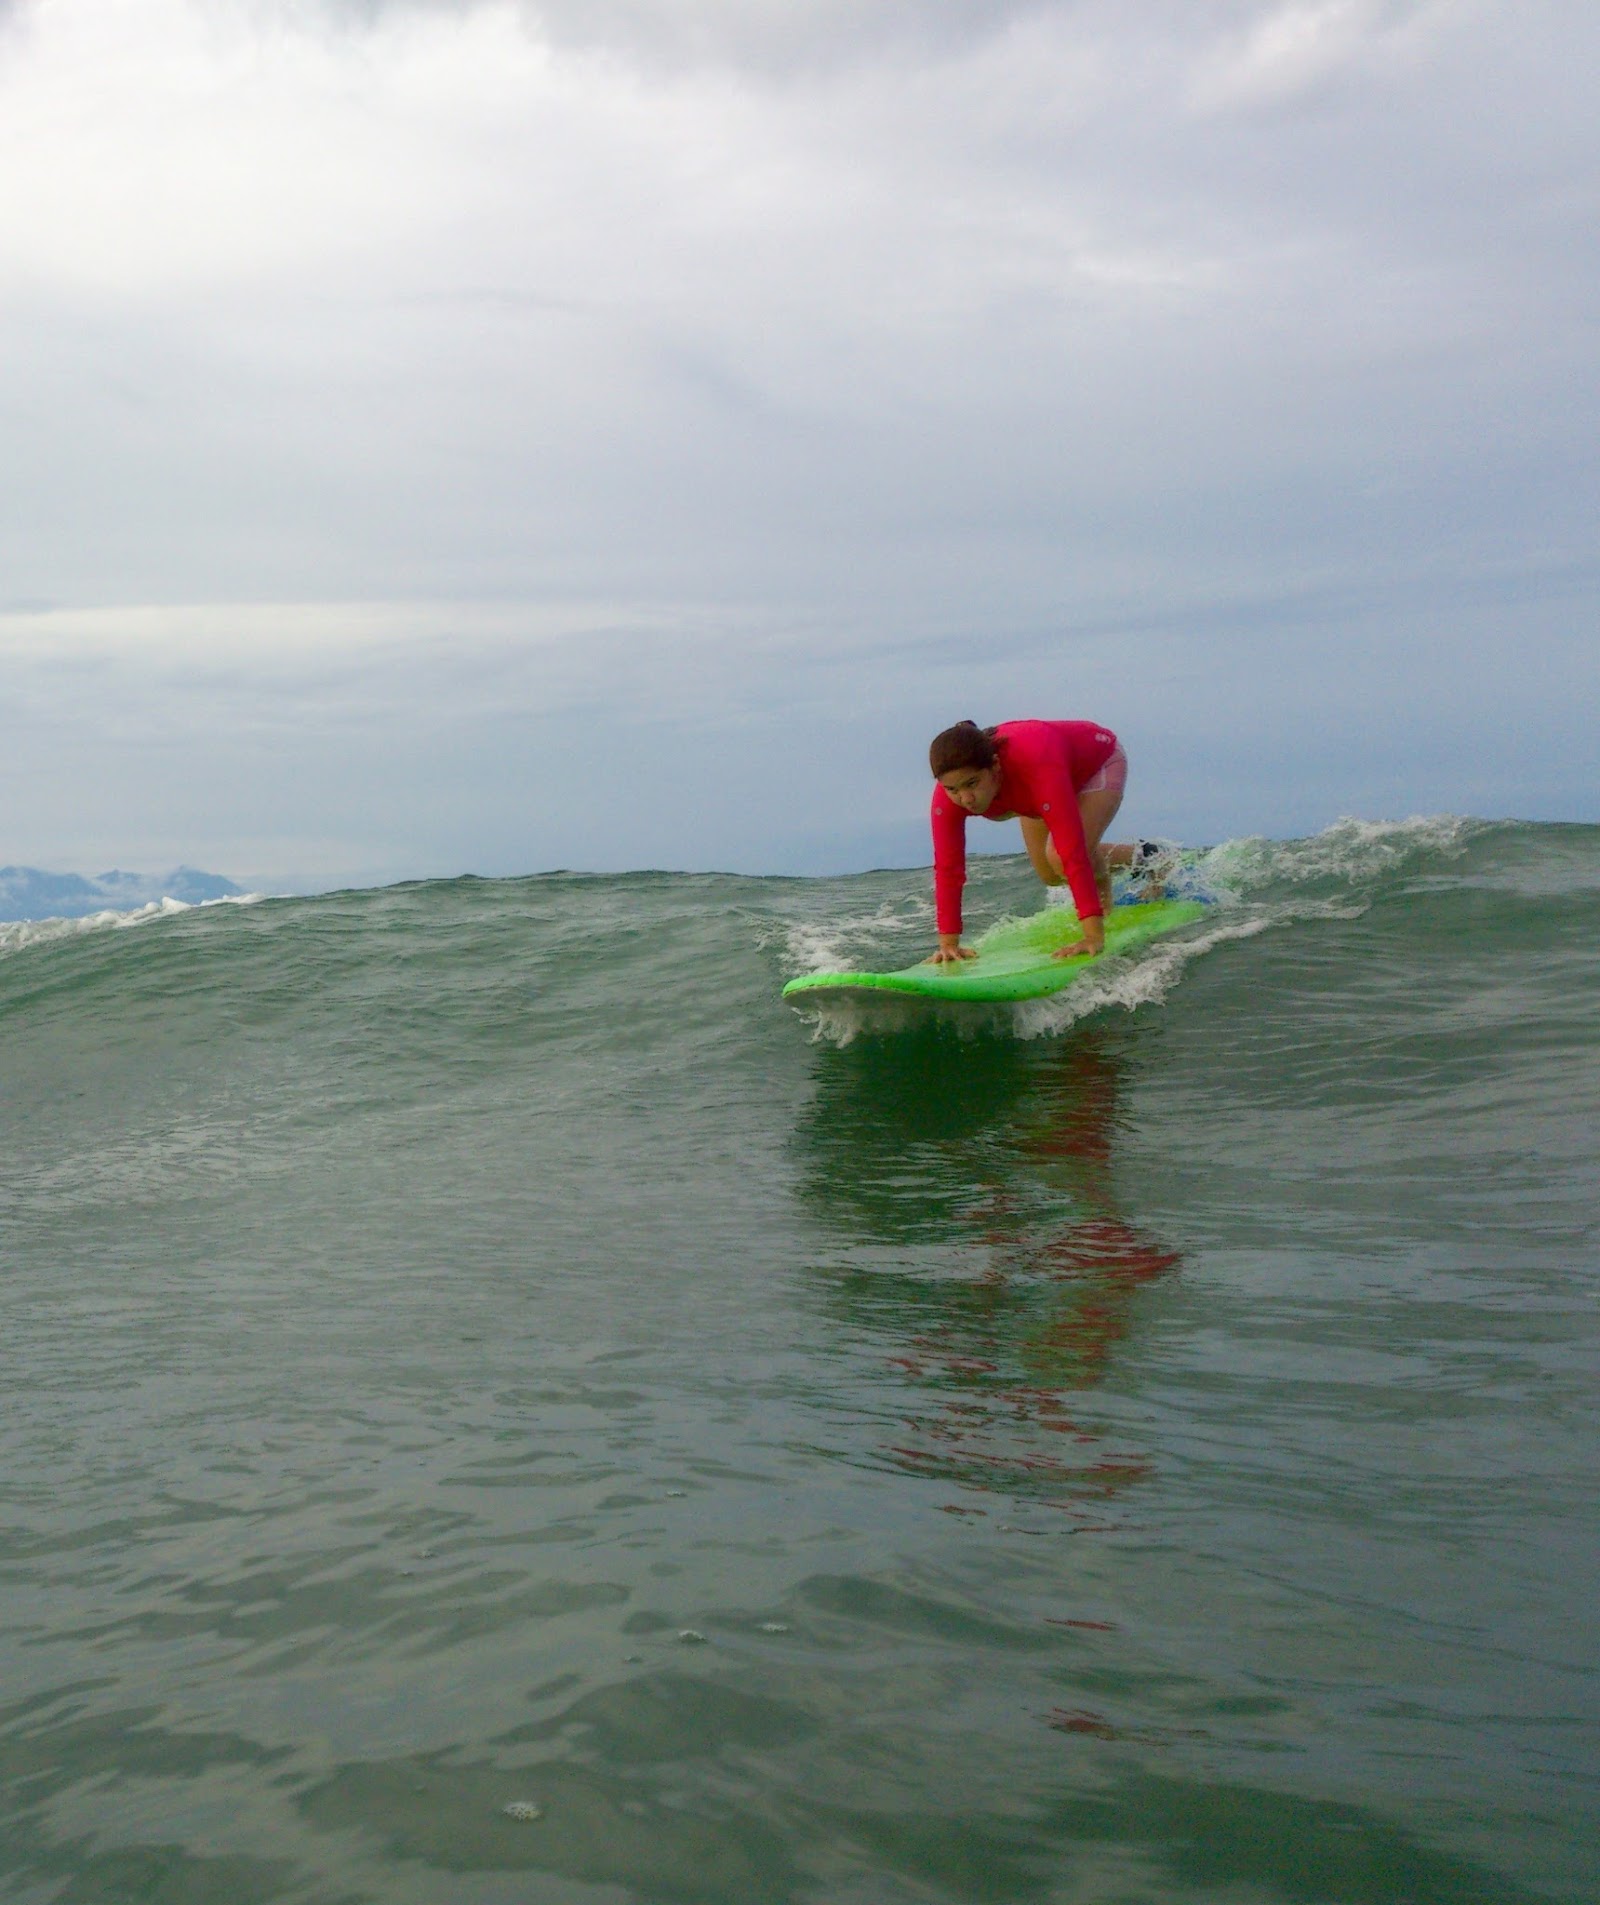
972, 788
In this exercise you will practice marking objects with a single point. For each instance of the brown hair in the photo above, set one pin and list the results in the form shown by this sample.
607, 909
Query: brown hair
964, 745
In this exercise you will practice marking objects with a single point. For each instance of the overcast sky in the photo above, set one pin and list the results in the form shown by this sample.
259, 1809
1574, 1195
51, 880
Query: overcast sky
610, 433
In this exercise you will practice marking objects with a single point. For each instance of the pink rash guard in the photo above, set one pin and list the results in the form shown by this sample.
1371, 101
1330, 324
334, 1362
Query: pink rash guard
1042, 766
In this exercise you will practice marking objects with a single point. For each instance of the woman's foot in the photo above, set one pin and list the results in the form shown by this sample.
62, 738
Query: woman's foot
1151, 864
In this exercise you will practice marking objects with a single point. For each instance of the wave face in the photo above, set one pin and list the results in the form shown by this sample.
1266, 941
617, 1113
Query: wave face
501, 1406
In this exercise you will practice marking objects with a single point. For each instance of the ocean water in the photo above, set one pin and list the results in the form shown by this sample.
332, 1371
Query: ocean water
498, 1407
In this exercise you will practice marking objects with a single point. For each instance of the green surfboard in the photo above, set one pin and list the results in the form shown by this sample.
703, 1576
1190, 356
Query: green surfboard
1014, 957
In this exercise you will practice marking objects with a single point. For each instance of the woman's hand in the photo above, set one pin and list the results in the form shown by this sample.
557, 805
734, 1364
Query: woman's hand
950, 950
1093, 942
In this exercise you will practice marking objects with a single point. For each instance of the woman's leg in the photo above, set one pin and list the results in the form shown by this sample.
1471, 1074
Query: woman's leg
1099, 809
1098, 800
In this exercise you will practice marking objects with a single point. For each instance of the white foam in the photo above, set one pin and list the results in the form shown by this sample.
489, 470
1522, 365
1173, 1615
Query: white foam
1351, 850
1130, 981
16, 935
1148, 975
828, 945
839, 1018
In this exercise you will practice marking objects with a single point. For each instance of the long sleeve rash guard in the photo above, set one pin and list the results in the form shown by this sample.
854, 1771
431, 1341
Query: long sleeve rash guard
1042, 766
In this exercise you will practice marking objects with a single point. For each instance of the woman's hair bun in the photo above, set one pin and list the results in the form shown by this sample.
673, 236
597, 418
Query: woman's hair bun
965, 745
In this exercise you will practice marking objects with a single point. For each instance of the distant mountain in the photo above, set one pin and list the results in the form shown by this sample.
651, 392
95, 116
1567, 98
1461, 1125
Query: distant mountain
31, 893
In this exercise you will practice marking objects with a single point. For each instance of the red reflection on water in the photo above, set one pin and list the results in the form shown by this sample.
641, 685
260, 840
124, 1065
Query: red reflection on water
1019, 1348
1085, 1720
1082, 1720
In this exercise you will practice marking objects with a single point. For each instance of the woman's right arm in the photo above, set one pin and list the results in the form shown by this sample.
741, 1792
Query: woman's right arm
949, 875
951, 951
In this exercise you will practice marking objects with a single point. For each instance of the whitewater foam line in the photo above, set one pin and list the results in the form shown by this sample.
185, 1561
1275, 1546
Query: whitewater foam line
1130, 982
1351, 850
17, 935
1149, 975
818, 945
839, 1018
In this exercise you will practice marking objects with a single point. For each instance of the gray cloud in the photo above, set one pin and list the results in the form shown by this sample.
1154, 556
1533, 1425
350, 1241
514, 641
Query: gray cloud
941, 333
774, 39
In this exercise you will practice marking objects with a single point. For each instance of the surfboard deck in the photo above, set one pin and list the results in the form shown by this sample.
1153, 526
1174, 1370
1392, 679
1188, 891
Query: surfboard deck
1014, 957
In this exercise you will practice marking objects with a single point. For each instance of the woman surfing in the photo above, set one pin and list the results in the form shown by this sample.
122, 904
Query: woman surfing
1063, 780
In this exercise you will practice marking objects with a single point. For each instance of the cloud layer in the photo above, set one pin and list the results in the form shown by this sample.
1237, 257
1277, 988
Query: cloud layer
746, 330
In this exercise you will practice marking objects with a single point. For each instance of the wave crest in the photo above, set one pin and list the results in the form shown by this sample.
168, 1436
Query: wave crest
17, 935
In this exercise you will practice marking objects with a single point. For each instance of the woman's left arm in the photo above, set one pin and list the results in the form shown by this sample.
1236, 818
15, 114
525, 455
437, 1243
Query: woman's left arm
1067, 837
1060, 813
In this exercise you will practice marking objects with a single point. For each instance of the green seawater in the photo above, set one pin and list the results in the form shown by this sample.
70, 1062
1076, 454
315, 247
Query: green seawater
472, 1346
